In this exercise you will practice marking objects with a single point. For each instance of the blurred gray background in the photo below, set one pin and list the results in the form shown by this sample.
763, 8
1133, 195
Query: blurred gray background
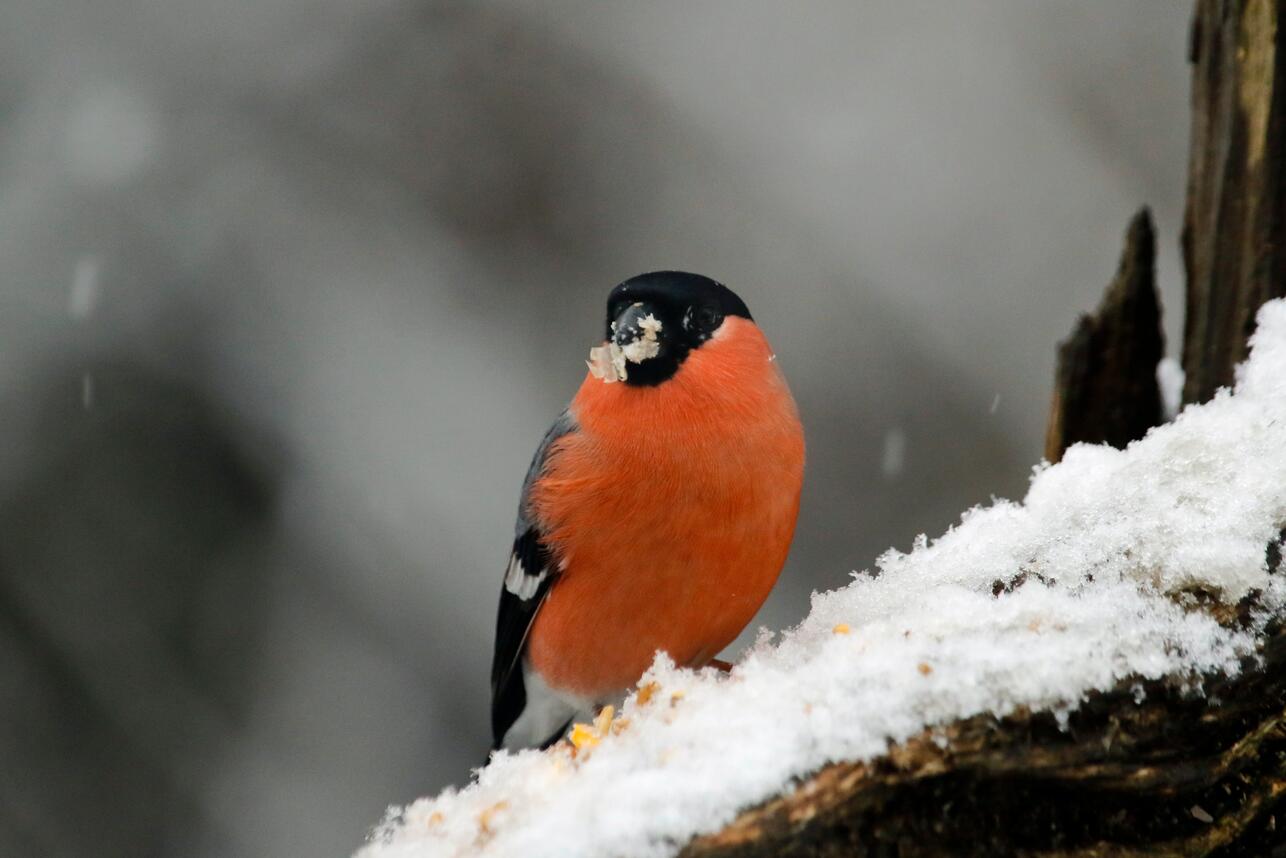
290, 289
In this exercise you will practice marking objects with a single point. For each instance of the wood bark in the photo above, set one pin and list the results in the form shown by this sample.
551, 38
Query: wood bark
1234, 246
1147, 768
1105, 385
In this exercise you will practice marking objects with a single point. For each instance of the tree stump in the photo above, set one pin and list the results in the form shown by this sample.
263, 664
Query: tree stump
1105, 384
1233, 240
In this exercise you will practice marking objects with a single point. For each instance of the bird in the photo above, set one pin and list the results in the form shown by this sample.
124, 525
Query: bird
657, 513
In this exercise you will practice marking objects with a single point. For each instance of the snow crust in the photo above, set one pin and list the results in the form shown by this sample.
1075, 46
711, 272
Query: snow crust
1094, 557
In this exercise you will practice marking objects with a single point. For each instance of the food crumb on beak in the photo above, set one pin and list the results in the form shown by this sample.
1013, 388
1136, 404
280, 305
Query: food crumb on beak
608, 361
645, 345
602, 363
650, 325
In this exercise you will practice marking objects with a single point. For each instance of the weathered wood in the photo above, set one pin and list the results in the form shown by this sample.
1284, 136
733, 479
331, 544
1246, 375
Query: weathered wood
1105, 385
1233, 247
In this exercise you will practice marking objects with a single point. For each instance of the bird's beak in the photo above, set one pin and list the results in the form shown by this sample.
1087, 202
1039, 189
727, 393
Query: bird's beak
637, 334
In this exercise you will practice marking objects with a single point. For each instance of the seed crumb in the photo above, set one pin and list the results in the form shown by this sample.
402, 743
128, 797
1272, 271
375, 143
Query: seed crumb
485, 818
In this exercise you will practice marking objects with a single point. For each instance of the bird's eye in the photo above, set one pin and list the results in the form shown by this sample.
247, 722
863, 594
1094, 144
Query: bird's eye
702, 320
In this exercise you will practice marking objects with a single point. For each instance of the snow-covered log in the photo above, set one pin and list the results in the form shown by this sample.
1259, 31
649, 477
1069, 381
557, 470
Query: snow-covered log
1148, 768
1100, 661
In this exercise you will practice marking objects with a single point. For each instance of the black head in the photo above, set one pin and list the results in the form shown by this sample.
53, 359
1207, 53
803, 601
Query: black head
689, 309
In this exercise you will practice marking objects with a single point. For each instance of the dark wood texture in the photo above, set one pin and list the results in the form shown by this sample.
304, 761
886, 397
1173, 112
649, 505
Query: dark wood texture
1105, 385
1233, 246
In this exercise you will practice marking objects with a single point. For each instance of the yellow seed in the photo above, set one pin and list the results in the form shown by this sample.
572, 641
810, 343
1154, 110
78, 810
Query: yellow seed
484, 818
841, 629
436, 818
646, 692
583, 736
603, 720
924, 669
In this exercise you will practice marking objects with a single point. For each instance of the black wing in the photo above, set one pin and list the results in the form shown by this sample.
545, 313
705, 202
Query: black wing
527, 580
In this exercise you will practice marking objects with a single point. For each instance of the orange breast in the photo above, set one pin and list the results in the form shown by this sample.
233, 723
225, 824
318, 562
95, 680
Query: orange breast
672, 510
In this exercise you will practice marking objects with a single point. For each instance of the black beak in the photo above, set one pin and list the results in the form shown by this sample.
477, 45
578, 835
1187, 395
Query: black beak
639, 322
646, 345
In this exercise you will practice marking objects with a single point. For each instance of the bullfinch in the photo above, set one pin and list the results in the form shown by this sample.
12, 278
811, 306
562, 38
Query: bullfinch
657, 512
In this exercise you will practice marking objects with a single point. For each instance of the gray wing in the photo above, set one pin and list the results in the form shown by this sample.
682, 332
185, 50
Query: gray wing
527, 580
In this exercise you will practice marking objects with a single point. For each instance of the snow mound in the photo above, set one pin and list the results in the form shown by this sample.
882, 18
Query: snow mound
1032, 604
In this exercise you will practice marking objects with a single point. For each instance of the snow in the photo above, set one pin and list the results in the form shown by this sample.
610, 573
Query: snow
1093, 558
83, 296
1170, 379
894, 457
